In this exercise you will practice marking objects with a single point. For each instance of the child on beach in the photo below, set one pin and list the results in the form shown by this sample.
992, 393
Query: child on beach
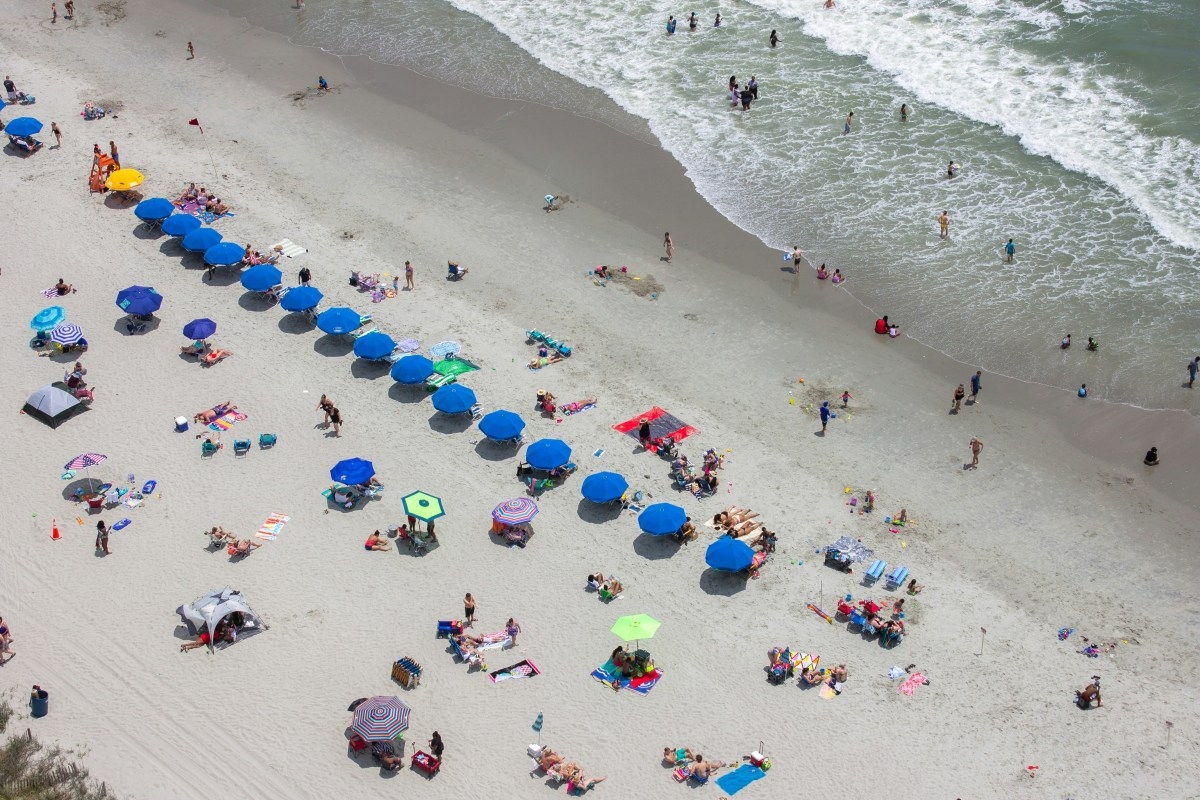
846, 398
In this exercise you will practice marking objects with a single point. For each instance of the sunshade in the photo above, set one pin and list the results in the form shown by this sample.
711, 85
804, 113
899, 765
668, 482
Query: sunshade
200, 240
662, 519
411, 369
261, 277
548, 454
23, 126
502, 425
301, 298
515, 511
47, 318
124, 179
200, 328
51, 405
224, 254
446, 349
339, 320
604, 487
154, 209
66, 333
423, 506
86, 461
380, 719
729, 555
453, 398
374, 345
182, 225
635, 627
352, 471
139, 300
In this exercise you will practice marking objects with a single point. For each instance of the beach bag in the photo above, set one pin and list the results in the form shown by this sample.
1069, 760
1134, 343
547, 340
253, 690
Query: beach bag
353, 281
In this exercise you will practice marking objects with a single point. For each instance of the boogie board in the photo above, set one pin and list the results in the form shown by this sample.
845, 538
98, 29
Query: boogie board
121, 524
149, 487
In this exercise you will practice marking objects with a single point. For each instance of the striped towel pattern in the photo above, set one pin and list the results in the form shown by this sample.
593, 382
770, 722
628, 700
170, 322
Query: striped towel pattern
271, 529
492, 640
289, 248
226, 422
51, 292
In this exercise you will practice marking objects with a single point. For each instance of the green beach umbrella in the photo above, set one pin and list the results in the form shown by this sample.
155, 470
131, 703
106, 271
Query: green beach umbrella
636, 627
423, 506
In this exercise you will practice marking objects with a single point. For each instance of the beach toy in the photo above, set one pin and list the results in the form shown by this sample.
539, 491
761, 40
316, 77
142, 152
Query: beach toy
800, 380
787, 256
791, 401
847, 490
149, 487
121, 524
66, 476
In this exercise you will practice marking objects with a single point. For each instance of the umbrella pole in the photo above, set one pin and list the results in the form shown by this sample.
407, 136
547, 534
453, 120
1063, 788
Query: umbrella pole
91, 483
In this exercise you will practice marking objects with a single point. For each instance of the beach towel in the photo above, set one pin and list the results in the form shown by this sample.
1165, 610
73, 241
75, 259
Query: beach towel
522, 669
453, 366
608, 673
856, 550
226, 422
409, 345
272, 527
910, 685
740, 778
494, 640
51, 292
662, 425
289, 248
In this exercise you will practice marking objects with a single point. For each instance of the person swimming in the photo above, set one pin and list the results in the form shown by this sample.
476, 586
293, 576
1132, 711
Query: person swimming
952, 169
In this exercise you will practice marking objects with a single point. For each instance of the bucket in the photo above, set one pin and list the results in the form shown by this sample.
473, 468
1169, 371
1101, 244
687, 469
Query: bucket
181, 424
39, 702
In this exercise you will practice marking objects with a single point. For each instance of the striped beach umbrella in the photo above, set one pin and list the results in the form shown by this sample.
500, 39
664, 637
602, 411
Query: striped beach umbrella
381, 719
66, 333
423, 506
515, 511
86, 461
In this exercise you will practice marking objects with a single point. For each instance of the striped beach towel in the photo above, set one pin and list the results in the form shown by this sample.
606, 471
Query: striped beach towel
226, 422
51, 292
273, 526
289, 248
494, 640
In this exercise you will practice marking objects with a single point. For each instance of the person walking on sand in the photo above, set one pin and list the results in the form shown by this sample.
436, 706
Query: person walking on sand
112, 151
512, 629
959, 394
1010, 251
1193, 367
468, 611
326, 405
944, 224
976, 449
70, 8
191, 51
824, 416
305, 276
669, 245
102, 537
335, 419
849, 122
408, 276
54, 12
976, 385
57, 135
846, 398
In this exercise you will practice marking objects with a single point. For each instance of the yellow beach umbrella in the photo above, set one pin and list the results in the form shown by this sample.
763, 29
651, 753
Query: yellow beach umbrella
123, 180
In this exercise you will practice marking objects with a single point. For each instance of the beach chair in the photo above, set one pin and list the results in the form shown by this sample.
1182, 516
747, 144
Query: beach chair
437, 381
476, 411
891, 637
535, 336
896, 578
407, 673
417, 543
454, 272
274, 294
875, 572
857, 618
267, 440
241, 447
208, 448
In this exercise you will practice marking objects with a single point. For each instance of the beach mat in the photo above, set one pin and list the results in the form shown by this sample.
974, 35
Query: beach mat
453, 366
226, 422
910, 685
493, 640
662, 425
273, 526
288, 248
608, 673
740, 778
48, 293
522, 669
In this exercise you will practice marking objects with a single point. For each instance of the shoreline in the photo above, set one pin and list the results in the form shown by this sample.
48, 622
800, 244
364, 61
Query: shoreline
1039, 537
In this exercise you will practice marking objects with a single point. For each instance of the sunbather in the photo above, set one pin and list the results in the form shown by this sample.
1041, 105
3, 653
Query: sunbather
613, 587
344, 497
582, 783
219, 535
743, 529
219, 410
578, 405
376, 542
734, 515
687, 531
765, 541
702, 769
216, 355
811, 676
203, 639
681, 466
455, 270
542, 361
386, 755
914, 587
563, 471
243, 547
673, 755
548, 759
595, 581
63, 288
187, 194
838, 673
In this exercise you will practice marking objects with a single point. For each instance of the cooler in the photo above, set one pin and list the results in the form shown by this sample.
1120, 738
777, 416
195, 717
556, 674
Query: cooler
181, 424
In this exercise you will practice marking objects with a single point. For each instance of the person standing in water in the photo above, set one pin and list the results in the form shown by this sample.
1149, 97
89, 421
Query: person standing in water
849, 122
952, 169
1010, 250
774, 38
944, 224
693, 23
1193, 367
753, 86
717, 21
904, 112
671, 26
669, 245
796, 256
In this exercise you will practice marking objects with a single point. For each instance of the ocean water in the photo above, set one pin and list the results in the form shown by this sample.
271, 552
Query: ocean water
1076, 122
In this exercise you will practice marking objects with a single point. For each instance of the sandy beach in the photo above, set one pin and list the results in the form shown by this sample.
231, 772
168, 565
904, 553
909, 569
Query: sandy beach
1060, 527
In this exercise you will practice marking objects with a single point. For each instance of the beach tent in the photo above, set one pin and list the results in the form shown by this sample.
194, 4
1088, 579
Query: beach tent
52, 404
207, 611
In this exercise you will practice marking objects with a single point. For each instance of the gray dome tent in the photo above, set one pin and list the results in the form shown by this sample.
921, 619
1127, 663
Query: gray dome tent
207, 611
52, 404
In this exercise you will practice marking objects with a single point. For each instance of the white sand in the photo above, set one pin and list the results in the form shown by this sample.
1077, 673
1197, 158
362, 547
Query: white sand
1042, 536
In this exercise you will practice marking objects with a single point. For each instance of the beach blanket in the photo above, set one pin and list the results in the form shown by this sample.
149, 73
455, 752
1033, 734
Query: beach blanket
289, 248
740, 778
51, 292
910, 685
608, 673
522, 669
453, 366
494, 640
273, 526
194, 208
409, 345
226, 422
575, 408
856, 550
662, 425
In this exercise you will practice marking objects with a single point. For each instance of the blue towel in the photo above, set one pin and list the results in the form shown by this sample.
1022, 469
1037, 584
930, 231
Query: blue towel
739, 779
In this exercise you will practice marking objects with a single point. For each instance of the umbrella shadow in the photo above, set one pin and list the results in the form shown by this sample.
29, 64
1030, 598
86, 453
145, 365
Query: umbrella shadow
449, 423
599, 513
296, 322
723, 584
370, 370
60, 357
491, 450
333, 346
173, 247
407, 393
223, 276
121, 200
254, 301
147, 231
655, 548
131, 326
498, 539
80, 482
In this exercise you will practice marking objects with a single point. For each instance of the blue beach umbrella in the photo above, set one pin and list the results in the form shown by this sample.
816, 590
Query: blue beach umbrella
182, 225
662, 519
548, 454
139, 300
502, 425
374, 345
729, 555
47, 318
201, 239
604, 487
224, 254
260, 278
23, 126
352, 471
154, 209
200, 328
339, 320
301, 298
453, 398
411, 368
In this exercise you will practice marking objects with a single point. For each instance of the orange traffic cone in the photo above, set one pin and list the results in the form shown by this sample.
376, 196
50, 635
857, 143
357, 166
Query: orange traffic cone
56, 535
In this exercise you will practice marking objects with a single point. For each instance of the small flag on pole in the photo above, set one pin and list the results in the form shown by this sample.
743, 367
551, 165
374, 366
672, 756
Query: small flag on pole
196, 121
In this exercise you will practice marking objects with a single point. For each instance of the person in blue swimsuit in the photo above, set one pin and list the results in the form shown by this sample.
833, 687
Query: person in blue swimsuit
1010, 250
671, 26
